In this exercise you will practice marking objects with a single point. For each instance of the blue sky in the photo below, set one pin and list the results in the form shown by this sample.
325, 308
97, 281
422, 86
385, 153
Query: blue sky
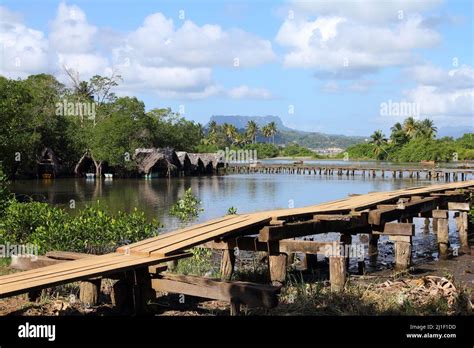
335, 63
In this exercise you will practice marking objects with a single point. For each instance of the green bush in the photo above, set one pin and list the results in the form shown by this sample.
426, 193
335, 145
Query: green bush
264, 150
5, 194
295, 150
187, 208
92, 230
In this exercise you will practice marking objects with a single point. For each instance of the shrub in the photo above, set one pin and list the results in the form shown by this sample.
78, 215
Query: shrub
92, 230
187, 208
5, 194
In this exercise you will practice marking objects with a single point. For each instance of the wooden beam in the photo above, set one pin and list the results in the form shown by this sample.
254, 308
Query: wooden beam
458, 206
439, 214
398, 229
305, 228
380, 216
250, 294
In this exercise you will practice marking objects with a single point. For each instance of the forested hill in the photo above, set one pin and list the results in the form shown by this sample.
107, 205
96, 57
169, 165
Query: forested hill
287, 135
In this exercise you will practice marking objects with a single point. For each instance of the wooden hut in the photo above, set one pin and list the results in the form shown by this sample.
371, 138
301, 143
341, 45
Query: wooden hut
197, 165
212, 162
156, 162
47, 164
185, 162
87, 166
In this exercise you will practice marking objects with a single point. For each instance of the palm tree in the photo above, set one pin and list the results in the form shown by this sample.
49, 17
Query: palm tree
252, 130
230, 132
398, 136
273, 130
267, 133
410, 126
427, 128
213, 130
379, 141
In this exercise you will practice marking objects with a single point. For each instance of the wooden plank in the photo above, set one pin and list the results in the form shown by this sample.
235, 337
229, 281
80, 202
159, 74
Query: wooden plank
439, 214
399, 229
67, 255
458, 206
250, 294
305, 228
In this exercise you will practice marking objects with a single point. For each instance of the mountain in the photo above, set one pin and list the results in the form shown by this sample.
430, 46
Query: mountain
240, 122
454, 132
287, 135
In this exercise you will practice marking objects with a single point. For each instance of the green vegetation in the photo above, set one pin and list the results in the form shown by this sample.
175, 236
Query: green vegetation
92, 230
295, 150
40, 112
414, 141
187, 208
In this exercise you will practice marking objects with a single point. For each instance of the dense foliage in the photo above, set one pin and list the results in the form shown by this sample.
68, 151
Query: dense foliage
414, 141
40, 112
186, 208
92, 230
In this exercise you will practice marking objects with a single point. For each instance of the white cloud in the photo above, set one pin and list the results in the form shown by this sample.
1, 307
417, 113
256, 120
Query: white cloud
159, 57
23, 50
368, 11
70, 31
338, 47
447, 96
244, 92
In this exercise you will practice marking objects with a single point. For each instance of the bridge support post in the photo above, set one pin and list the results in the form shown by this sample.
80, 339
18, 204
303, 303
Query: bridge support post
310, 261
337, 273
227, 264
403, 249
89, 291
373, 248
277, 266
462, 223
443, 240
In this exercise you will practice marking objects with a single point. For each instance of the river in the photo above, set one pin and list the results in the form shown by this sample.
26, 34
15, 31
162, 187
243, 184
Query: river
247, 193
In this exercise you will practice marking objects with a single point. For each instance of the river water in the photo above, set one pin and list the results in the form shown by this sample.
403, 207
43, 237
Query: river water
247, 193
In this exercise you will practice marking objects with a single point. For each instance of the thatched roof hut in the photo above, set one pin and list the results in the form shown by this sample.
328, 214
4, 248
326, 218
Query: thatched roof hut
184, 161
157, 162
197, 164
212, 162
47, 163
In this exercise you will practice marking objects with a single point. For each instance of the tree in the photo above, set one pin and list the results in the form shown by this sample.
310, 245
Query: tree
272, 128
266, 131
230, 132
398, 135
410, 126
426, 129
251, 131
379, 141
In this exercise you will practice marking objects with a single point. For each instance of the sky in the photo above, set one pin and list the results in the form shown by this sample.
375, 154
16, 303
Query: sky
340, 67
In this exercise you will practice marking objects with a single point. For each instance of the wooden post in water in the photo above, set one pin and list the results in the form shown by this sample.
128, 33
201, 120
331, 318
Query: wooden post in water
462, 222
443, 240
373, 248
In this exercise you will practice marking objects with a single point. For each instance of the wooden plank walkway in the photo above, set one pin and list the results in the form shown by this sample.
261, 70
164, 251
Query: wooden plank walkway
171, 246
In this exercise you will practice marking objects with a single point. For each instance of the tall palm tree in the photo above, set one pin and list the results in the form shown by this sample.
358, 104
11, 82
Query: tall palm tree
230, 132
273, 130
252, 130
379, 141
267, 133
397, 135
213, 130
427, 128
410, 126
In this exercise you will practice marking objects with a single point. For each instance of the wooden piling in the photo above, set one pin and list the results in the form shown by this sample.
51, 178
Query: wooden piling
227, 264
89, 291
403, 250
443, 240
337, 273
462, 230
277, 266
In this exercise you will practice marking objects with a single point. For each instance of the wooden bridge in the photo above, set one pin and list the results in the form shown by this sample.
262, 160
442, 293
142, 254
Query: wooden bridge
430, 173
379, 213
